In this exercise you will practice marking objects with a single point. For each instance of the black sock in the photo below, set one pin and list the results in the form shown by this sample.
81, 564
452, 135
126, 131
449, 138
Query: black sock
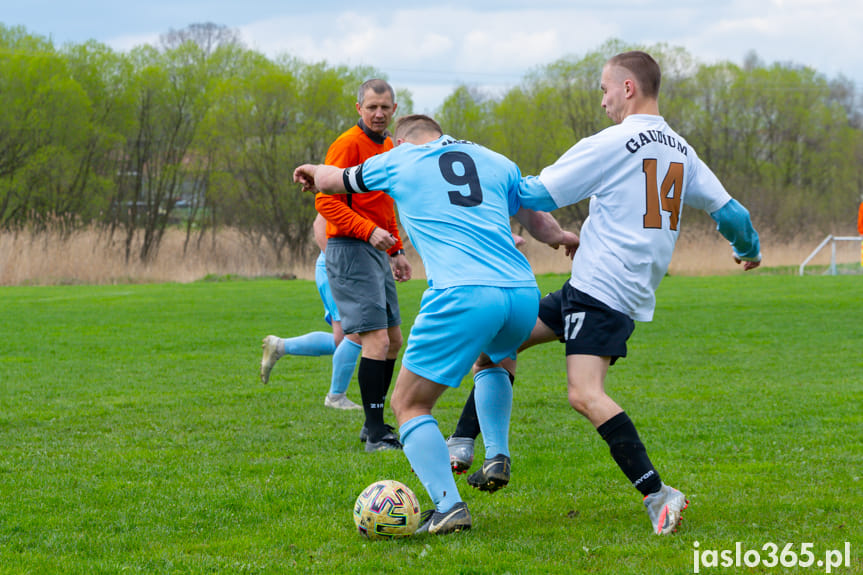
371, 375
468, 422
629, 453
391, 367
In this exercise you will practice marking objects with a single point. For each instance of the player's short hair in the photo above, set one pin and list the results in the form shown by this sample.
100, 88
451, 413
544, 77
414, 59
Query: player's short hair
415, 124
643, 67
377, 86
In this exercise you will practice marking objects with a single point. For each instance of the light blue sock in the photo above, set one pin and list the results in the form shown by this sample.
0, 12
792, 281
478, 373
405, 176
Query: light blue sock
493, 396
313, 343
427, 453
344, 364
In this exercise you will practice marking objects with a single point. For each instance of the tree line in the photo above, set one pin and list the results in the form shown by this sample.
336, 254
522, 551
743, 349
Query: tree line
201, 133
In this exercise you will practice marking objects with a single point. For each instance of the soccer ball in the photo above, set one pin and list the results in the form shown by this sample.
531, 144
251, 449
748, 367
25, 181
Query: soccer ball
387, 509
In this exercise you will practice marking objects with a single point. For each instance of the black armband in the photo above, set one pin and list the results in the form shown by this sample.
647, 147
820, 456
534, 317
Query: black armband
352, 178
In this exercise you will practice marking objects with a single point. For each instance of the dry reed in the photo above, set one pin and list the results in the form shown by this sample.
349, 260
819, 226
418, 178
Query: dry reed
87, 257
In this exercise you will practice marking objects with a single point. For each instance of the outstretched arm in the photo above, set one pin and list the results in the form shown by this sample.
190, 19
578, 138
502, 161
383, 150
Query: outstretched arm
733, 222
320, 178
328, 180
543, 226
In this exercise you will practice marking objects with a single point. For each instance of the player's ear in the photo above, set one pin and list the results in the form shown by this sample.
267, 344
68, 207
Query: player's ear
359, 109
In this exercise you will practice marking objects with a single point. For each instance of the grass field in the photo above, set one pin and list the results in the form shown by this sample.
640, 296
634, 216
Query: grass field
135, 437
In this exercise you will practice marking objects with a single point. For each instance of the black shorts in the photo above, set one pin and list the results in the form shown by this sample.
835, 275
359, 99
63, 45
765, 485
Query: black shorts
586, 325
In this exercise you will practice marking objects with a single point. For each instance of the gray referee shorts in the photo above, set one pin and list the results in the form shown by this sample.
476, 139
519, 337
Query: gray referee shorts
362, 283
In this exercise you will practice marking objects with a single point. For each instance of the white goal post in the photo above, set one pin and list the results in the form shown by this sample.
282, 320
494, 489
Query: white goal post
831, 239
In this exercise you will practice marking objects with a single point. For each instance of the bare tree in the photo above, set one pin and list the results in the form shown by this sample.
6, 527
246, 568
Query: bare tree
207, 36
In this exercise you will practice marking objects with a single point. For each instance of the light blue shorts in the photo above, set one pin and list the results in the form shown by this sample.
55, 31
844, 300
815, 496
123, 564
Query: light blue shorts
332, 312
455, 325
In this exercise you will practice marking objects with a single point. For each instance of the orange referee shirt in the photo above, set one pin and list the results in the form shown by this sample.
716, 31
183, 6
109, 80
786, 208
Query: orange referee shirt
357, 215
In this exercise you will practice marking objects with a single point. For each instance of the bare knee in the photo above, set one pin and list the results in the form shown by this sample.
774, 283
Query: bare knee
593, 404
375, 344
586, 389
578, 401
395, 340
586, 402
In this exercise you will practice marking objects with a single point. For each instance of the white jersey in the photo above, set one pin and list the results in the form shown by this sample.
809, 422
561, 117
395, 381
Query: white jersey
638, 175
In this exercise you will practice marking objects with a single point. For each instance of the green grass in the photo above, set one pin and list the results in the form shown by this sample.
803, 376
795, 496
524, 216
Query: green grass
135, 436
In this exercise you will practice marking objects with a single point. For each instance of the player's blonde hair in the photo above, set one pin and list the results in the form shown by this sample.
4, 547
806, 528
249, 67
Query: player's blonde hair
643, 67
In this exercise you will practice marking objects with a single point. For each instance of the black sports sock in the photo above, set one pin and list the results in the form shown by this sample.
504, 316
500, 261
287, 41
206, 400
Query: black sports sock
391, 367
629, 453
371, 375
468, 422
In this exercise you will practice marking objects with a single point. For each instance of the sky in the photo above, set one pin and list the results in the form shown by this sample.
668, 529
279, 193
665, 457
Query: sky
432, 47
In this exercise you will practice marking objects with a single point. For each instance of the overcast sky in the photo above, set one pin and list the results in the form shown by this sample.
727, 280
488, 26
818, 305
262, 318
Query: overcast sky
430, 47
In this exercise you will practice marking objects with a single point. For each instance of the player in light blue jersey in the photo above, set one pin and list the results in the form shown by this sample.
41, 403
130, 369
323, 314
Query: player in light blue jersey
638, 175
345, 350
455, 200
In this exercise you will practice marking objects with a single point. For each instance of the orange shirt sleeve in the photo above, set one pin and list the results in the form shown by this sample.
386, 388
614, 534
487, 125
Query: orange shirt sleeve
860, 220
357, 215
341, 219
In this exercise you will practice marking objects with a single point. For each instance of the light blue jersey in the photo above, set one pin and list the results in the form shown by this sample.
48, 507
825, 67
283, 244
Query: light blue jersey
455, 200
455, 209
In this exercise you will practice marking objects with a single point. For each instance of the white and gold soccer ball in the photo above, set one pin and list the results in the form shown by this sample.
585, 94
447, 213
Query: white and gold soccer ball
387, 509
